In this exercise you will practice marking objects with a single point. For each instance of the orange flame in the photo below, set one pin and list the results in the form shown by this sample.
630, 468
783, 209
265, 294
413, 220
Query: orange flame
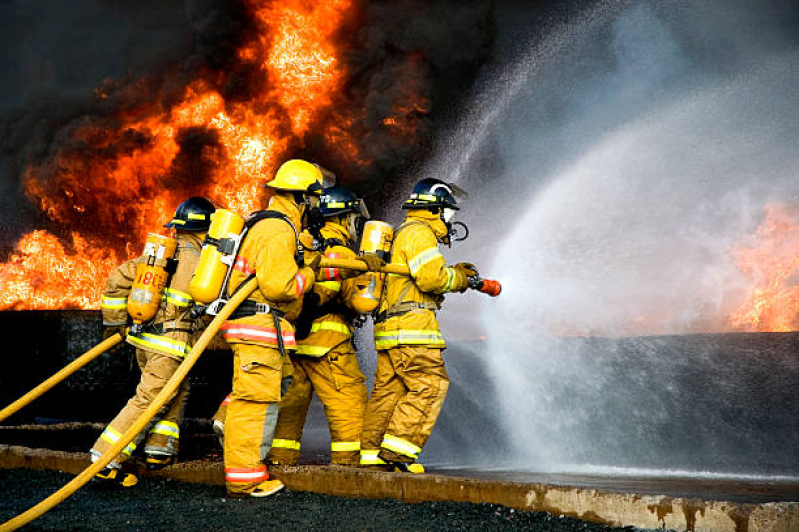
772, 266
126, 184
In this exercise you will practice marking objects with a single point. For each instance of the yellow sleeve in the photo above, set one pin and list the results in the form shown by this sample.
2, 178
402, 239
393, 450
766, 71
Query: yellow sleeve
114, 303
279, 278
426, 263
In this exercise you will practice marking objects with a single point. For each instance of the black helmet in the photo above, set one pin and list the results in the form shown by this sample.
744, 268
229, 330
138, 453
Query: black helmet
338, 200
194, 214
430, 192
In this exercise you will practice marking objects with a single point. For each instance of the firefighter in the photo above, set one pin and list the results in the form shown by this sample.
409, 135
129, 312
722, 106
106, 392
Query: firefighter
260, 331
410, 380
325, 361
161, 344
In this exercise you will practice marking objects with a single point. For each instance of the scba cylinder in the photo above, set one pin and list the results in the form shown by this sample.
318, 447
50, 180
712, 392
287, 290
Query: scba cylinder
377, 237
151, 278
212, 270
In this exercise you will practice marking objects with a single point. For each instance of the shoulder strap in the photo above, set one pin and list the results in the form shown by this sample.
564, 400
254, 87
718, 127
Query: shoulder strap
331, 243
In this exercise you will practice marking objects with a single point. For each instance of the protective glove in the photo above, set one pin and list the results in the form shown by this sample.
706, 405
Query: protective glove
373, 262
461, 281
314, 262
110, 331
466, 268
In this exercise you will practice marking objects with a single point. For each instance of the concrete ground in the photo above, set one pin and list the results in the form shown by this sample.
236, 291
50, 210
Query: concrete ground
163, 504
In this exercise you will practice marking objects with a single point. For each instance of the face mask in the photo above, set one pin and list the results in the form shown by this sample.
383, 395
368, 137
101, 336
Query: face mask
447, 215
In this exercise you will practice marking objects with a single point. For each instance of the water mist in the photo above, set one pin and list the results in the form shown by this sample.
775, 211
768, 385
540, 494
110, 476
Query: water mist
613, 169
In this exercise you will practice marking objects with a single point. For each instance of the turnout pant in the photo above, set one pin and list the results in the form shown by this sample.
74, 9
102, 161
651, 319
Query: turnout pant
409, 390
162, 435
260, 376
338, 381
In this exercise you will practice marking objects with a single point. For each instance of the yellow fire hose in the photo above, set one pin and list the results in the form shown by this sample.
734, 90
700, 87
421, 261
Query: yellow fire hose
359, 265
171, 386
68, 370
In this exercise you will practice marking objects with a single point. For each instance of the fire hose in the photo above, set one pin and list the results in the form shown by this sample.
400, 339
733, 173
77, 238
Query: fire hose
160, 400
68, 370
486, 286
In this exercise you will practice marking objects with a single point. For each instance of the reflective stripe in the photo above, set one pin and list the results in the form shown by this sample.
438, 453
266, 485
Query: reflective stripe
384, 340
331, 274
254, 333
330, 326
166, 428
226, 401
343, 446
450, 279
178, 298
416, 263
335, 286
112, 435
114, 303
312, 350
300, 284
243, 266
277, 443
160, 343
246, 475
400, 446
193, 216
369, 457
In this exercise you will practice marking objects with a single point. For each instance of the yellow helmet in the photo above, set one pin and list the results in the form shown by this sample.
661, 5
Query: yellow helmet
298, 175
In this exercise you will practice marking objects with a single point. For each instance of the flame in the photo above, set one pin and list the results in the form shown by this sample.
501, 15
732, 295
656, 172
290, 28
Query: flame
120, 176
772, 266
42, 274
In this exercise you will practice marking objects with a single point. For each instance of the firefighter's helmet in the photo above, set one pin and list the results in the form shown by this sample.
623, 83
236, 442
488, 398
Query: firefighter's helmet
194, 214
430, 192
297, 175
338, 201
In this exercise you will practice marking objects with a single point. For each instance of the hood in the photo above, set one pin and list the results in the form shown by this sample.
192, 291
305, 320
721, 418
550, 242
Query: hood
432, 220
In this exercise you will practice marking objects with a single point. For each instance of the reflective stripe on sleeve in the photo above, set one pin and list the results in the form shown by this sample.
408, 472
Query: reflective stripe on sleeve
400, 446
114, 303
243, 266
300, 283
430, 254
450, 279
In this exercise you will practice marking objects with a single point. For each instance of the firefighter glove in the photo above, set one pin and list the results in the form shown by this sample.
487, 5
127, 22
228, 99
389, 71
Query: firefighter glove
314, 262
373, 262
111, 330
466, 268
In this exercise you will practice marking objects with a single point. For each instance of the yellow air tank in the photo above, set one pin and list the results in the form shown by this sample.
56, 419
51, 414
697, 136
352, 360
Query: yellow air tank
376, 239
151, 277
217, 256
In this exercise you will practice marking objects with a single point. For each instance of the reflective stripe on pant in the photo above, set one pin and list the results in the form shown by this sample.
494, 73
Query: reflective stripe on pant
259, 374
410, 386
338, 381
156, 369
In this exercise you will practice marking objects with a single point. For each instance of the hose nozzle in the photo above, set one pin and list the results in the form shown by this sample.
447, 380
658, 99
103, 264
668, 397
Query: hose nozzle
486, 286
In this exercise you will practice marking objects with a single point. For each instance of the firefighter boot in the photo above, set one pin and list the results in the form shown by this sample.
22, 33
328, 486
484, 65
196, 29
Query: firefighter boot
267, 488
156, 461
115, 476
406, 467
